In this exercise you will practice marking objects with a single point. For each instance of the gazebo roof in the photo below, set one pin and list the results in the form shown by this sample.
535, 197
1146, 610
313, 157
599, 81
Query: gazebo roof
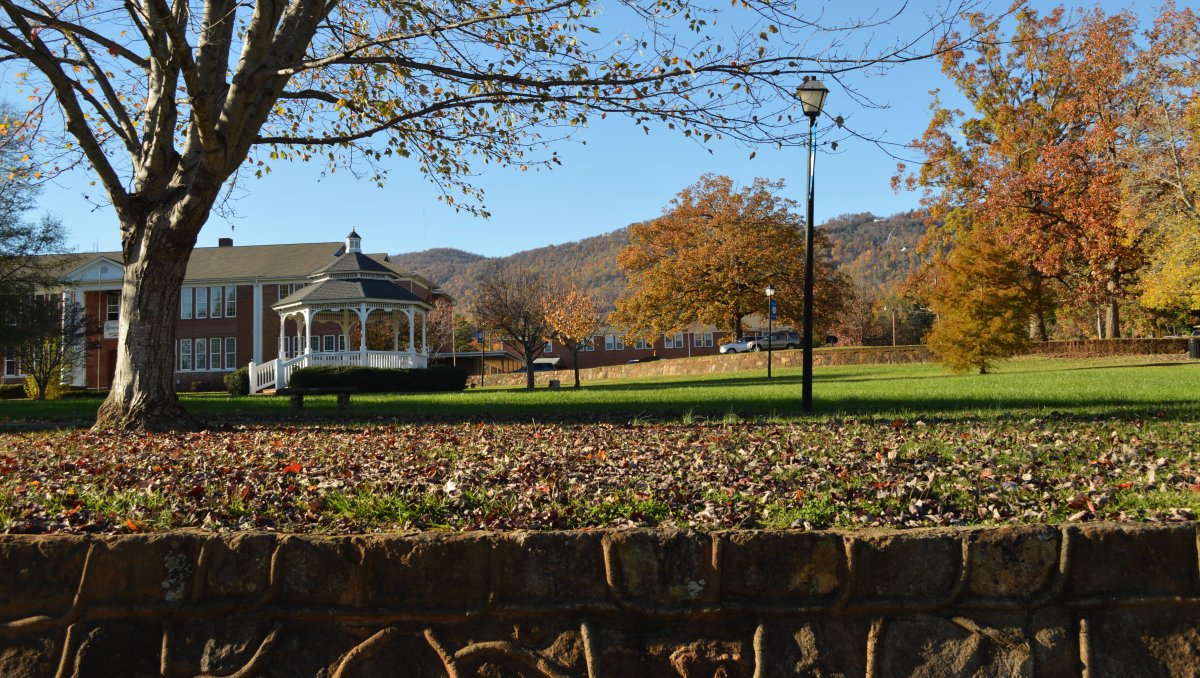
347, 290
354, 262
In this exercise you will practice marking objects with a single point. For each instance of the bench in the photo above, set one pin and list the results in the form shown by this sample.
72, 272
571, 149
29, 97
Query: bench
297, 395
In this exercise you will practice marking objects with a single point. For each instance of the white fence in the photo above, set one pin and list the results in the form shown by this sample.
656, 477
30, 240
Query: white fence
277, 373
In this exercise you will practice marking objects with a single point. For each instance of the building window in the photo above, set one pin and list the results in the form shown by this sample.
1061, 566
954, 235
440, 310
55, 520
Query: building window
230, 353
214, 353
641, 344
702, 340
230, 302
11, 367
289, 289
215, 306
201, 302
185, 303
185, 355
297, 347
113, 310
549, 347
201, 354
330, 343
341, 342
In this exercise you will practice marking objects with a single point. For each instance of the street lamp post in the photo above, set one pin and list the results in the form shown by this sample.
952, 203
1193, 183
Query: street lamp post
812, 97
770, 319
482, 355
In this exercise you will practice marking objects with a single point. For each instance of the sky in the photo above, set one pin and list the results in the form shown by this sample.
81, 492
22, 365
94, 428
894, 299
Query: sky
619, 176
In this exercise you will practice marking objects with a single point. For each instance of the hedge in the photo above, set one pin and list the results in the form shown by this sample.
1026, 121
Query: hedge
237, 382
379, 380
12, 391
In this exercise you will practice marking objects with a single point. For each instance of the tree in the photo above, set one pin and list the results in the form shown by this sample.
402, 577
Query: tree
23, 244
166, 102
1040, 157
981, 302
573, 317
51, 339
710, 256
510, 304
439, 329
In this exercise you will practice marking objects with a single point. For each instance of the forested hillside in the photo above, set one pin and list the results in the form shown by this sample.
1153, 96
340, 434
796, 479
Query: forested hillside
877, 253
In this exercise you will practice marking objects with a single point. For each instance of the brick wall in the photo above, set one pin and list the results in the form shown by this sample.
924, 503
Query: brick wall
1098, 600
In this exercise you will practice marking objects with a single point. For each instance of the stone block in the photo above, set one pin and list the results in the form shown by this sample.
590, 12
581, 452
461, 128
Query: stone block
933, 647
141, 569
549, 568
1130, 558
31, 655
239, 566
1013, 561
1144, 642
127, 648
664, 567
1055, 641
430, 572
39, 575
319, 571
914, 564
781, 566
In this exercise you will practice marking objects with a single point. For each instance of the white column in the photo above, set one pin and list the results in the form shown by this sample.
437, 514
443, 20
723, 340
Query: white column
412, 330
79, 375
362, 334
395, 331
308, 314
257, 320
280, 351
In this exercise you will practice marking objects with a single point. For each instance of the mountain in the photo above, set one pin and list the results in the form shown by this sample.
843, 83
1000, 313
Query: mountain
876, 252
591, 261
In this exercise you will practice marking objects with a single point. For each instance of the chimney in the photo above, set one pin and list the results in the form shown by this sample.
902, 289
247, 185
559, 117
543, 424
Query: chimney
224, 242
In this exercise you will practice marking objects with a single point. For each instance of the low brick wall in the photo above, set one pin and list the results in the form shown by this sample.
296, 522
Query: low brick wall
1097, 600
851, 355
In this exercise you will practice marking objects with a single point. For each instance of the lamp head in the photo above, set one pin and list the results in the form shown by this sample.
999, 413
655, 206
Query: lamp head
812, 96
770, 290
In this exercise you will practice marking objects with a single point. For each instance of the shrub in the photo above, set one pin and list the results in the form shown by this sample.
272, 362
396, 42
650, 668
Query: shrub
199, 385
54, 388
81, 394
12, 391
237, 382
377, 380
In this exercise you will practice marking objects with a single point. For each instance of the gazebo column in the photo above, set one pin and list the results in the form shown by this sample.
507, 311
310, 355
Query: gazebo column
412, 339
395, 332
282, 347
362, 334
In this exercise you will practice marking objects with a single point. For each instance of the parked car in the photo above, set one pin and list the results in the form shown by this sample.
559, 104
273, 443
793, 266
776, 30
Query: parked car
777, 340
740, 346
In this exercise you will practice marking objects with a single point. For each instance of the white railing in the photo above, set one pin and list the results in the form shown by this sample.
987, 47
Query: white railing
277, 373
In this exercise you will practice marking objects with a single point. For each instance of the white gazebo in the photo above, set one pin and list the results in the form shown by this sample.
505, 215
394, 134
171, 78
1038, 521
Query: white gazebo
346, 292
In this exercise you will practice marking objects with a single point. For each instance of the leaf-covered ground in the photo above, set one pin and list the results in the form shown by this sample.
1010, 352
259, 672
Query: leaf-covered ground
832, 473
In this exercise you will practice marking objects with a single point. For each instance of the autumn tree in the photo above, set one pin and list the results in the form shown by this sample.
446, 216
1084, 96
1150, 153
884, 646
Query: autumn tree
23, 242
49, 341
510, 304
1039, 156
981, 302
709, 257
574, 317
167, 101
1162, 181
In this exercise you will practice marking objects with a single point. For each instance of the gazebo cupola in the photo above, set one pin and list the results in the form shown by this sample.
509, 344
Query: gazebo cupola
350, 291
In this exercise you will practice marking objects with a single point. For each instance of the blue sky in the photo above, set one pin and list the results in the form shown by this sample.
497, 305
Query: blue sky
620, 176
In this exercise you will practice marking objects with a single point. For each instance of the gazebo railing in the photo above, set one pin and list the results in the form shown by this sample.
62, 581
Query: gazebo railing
277, 373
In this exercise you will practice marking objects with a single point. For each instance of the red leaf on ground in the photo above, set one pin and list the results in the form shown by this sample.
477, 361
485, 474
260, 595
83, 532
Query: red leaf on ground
292, 468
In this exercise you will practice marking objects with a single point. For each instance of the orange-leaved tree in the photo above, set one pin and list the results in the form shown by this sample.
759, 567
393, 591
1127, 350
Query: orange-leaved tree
1039, 157
574, 318
167, 102
710, 256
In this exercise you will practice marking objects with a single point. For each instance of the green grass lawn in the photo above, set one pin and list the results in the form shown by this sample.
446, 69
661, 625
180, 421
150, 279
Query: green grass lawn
1121, 386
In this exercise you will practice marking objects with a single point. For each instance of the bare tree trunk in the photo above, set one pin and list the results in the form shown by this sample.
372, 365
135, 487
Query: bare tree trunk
143, 390
1113, 314
529, 353
575, 362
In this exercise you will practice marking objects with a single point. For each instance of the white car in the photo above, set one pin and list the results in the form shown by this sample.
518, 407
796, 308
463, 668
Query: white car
740, 346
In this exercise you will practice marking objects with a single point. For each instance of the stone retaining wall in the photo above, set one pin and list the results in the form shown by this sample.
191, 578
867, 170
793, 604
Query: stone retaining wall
1094, 600
855, 355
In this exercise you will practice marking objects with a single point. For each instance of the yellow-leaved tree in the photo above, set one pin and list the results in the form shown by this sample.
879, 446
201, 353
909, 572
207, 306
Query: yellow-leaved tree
574, 317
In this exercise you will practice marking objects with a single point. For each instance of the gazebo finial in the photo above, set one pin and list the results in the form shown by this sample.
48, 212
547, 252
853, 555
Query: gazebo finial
353, 242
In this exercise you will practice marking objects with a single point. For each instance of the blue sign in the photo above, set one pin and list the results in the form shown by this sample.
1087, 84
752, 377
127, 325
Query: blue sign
479, 337
774, 310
